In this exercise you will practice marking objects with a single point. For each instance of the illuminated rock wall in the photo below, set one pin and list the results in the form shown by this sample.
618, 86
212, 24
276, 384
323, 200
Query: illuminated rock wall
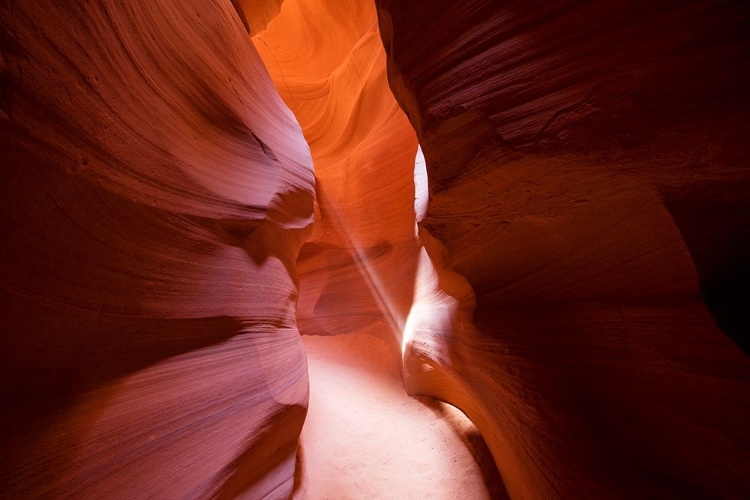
155, 194
357, 270
588, 177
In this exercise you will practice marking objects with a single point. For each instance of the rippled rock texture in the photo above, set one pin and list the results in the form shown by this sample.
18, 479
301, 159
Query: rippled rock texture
588, 178
579, 286
357, 270
155, 194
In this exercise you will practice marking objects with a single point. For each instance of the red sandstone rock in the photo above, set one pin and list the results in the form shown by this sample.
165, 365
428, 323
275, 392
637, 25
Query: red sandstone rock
557, 136
588, 175
357, 269
256, 14
579, 154
155, 194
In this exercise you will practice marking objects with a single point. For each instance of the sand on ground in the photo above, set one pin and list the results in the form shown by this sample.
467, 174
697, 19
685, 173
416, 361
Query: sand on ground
365, 438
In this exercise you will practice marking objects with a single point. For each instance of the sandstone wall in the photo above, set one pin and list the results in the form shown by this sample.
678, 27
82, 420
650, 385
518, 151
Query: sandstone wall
589, 197
357, 270
155, 193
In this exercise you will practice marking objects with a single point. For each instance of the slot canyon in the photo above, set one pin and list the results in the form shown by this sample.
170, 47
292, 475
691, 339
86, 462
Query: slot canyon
360, 249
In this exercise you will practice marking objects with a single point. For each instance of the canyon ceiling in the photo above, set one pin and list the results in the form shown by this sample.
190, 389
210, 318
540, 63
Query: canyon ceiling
188, 186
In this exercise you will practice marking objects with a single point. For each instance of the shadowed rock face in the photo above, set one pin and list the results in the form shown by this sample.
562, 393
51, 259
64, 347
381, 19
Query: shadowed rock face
256, 14
155, 194
588, 176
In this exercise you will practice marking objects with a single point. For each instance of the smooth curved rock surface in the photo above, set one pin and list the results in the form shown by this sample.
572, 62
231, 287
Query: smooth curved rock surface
256, 14
328, 64
155, 194
588, 176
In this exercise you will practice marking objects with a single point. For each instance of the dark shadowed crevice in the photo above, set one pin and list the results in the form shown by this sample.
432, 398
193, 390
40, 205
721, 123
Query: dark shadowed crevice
713, 220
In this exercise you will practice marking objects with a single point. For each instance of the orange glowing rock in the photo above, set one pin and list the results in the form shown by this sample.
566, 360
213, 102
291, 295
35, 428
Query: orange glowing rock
328, 64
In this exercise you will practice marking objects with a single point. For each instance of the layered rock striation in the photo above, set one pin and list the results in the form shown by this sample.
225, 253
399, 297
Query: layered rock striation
588, 202
578, 285
155, 194
357, 270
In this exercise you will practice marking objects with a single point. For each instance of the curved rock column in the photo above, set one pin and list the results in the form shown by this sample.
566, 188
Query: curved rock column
155, 194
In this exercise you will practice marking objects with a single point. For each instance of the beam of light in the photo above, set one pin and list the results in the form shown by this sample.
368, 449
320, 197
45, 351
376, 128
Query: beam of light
431, 304
368, 271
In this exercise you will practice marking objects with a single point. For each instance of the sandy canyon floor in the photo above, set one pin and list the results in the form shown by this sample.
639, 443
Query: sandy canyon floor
364, 438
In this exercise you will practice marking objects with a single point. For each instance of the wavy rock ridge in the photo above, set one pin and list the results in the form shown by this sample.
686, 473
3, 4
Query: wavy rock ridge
328, 64
578, 286
156, 192
565, 314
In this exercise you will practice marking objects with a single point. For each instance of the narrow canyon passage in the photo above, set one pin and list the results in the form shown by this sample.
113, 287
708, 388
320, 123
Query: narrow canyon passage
364, 438
201, 199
